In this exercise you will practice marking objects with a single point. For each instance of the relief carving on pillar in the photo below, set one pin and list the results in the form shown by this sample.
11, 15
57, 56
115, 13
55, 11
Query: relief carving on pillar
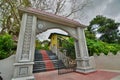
27, 38
23, 71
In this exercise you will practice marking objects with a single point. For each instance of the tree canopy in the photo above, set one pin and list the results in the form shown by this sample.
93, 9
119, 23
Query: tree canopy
9, 16
106, 27
98, 46
6, 46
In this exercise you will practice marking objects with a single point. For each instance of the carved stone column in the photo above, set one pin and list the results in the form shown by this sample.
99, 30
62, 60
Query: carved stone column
82, 56
25, 49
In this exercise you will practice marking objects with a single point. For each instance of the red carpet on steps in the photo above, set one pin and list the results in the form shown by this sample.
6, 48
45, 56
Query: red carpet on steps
48, 63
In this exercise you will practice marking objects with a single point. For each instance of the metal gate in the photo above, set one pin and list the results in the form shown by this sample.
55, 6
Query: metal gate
66, 64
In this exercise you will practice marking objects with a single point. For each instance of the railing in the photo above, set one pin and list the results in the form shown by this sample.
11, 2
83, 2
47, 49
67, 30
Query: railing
68, 63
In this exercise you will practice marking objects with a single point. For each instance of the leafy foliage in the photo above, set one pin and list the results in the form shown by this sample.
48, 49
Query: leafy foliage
68, 44
94, 47
90, 35
6, 46
42, 45
97, 47
9, 16
107, 27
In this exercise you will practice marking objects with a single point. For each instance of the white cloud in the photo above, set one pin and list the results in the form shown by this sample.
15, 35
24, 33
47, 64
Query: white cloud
117, 18
108, 8
113, 8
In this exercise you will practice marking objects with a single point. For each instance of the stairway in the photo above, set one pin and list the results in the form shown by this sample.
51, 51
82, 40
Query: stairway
45, 61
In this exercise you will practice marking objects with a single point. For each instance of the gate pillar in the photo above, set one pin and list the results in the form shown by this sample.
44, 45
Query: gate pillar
82, 56
23, 66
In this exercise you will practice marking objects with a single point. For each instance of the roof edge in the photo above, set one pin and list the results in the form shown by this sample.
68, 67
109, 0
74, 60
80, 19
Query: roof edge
51, 17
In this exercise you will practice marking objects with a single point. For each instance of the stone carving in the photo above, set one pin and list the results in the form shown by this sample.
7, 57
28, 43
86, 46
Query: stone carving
41, 26
27, 39
23, 71
25, 56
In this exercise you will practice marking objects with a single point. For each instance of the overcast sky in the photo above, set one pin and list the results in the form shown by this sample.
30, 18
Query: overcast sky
108, 8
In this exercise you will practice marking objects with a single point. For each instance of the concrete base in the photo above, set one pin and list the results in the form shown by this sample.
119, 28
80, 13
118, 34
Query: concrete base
25, 78
85, 70
116, 78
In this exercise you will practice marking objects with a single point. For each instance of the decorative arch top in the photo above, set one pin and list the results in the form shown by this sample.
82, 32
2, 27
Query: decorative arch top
46, 16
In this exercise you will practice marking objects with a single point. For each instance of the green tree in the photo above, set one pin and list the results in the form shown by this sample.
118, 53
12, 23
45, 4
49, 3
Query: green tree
68, 44
98, 46
107, 27
6, 46
9, 16
42, 45
90, 35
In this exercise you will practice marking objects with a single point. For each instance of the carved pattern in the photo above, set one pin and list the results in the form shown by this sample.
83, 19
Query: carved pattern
23, 71
41, 26
27, 39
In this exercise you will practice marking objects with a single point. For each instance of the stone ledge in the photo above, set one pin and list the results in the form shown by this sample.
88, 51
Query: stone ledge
116, 78
27, 63
85, 70
25, 78
83, 58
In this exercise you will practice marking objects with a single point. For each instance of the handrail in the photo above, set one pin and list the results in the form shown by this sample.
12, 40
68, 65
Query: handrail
68, 62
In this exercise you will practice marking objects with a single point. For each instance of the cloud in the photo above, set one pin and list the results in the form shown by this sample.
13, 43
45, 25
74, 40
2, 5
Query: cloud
108, 8
113, 8
117, 18
96, 7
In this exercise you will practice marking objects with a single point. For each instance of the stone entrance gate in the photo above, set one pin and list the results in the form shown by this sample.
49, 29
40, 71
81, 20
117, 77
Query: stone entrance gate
35, 21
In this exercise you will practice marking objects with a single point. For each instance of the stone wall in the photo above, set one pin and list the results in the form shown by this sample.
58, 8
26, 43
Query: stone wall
109, 62
6, 67
92, 62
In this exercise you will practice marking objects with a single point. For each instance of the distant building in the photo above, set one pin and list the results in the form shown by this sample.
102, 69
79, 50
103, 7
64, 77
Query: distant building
56, 41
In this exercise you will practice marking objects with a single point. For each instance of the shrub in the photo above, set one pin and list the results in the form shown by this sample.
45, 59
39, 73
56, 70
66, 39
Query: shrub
97, 46
42, 45
6, 46
68, 44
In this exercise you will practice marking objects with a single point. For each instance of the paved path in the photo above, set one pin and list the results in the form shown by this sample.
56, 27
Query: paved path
98, 75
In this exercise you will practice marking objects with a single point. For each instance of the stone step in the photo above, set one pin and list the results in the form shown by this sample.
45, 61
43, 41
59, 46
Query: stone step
40, 64
45, 65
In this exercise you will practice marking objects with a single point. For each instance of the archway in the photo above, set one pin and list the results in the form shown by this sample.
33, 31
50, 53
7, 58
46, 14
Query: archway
36, 21
58, 52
